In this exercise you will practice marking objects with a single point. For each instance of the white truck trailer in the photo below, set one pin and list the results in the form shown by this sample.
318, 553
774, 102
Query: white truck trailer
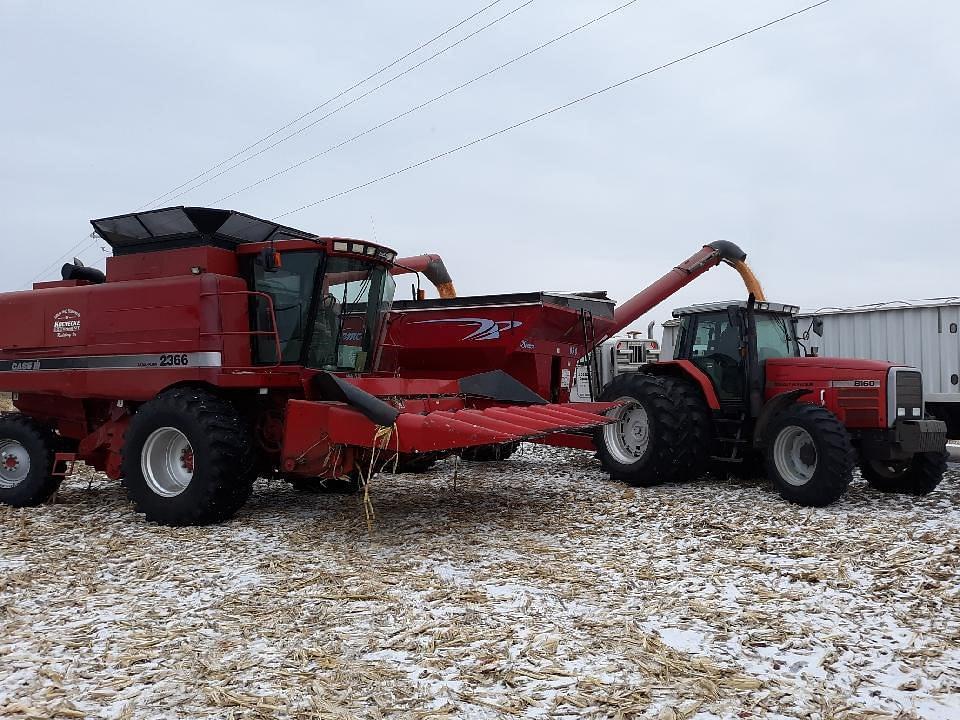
921, 333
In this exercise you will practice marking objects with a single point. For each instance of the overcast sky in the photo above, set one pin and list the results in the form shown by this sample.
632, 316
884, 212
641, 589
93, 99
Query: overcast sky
826, 146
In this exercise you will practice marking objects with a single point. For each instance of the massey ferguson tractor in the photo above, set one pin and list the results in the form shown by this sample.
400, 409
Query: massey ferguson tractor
219, 347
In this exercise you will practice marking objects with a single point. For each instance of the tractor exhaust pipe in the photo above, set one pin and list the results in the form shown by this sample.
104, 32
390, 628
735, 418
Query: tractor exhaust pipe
433, 269
693, 267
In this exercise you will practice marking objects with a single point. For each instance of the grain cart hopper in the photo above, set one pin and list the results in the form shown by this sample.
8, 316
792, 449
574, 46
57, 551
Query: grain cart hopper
219, 346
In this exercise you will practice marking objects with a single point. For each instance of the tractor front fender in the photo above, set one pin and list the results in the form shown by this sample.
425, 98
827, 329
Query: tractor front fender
773, 407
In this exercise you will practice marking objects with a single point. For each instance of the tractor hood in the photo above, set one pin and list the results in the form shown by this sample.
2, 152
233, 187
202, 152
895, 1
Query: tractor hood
828, 363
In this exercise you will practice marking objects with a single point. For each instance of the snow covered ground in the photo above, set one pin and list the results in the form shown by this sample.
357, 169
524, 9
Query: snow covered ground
530, 588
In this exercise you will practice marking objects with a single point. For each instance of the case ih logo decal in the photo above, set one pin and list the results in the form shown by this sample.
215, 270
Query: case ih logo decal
66, 323
486, 329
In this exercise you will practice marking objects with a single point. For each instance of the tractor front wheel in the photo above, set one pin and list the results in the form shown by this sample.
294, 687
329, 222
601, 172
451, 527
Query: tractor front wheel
26, 461
810, 457
187, 459
649, 442
918, 476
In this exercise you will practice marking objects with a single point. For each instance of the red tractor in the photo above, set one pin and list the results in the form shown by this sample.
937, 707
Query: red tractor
739, 395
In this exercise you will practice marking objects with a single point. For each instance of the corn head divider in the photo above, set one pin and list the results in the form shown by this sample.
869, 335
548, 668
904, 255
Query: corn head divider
219, 347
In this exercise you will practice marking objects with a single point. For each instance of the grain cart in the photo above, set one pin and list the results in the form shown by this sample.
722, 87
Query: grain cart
735, 396
737, 393
219, 346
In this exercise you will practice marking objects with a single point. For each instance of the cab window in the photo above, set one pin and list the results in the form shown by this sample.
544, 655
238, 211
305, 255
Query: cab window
291, 289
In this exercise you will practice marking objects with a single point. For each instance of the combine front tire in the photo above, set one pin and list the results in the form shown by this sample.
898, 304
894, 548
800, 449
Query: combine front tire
26, 461
649, 443
810, 457
918, 476
187, 459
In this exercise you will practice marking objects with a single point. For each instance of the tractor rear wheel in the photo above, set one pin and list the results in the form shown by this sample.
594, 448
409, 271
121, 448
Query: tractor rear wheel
649, 443
810, 457
700, 424
187, 459
917, 476
26, 461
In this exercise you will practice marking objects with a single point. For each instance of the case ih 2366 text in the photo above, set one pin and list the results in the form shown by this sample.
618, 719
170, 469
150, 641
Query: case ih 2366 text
220, 346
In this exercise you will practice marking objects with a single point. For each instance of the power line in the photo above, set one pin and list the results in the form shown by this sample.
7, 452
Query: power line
422, 105
326, 102
553, 110
74, 249
351, 102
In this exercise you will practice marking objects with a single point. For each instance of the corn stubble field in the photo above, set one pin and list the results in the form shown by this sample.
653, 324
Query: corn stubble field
530, 588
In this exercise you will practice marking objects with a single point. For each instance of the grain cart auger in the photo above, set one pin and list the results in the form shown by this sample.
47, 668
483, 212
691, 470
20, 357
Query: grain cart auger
219, 347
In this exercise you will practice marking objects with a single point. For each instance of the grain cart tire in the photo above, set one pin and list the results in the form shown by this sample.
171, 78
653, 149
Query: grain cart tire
701, 427
490, 453
809, 457
26, 461
187, 459
917, 476
329, 486
649, 443
415, 464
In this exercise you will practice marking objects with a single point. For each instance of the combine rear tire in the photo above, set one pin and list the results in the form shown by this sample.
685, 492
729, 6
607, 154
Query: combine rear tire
918, 476
26, 461
810, 457
649, 443
187, 459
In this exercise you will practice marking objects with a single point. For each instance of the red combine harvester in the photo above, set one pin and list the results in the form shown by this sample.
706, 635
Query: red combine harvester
219, 346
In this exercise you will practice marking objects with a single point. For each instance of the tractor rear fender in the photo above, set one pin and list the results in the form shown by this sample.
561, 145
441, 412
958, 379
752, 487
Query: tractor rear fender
686, 370
773, 407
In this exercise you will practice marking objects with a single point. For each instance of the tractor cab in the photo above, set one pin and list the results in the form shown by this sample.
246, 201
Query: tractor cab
731, 341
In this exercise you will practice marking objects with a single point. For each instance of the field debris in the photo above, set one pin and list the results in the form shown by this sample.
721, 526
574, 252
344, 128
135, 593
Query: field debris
531, 588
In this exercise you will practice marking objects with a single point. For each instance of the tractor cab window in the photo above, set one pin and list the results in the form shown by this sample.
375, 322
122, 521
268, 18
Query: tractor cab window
715, 349
354, 298
775, 337
290, 286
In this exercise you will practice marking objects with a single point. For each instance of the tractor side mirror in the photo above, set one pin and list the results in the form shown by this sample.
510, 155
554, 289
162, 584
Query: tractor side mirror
817, 326
269, 260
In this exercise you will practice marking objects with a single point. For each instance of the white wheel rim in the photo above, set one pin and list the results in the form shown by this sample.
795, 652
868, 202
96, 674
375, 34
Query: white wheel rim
628, 438
14, 463
795, 455
167, 462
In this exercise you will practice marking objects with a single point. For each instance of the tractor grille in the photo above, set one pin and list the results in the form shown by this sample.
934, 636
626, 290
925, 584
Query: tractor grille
909, 398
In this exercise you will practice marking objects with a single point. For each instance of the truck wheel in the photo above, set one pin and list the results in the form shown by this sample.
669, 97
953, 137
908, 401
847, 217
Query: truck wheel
490, 453
810, 457
701, 426
649, 442
187, 459
918, 476
26, 461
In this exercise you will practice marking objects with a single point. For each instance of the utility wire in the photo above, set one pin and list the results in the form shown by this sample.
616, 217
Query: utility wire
325, 102
422, 105
553, 110
85, 243
351, 102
